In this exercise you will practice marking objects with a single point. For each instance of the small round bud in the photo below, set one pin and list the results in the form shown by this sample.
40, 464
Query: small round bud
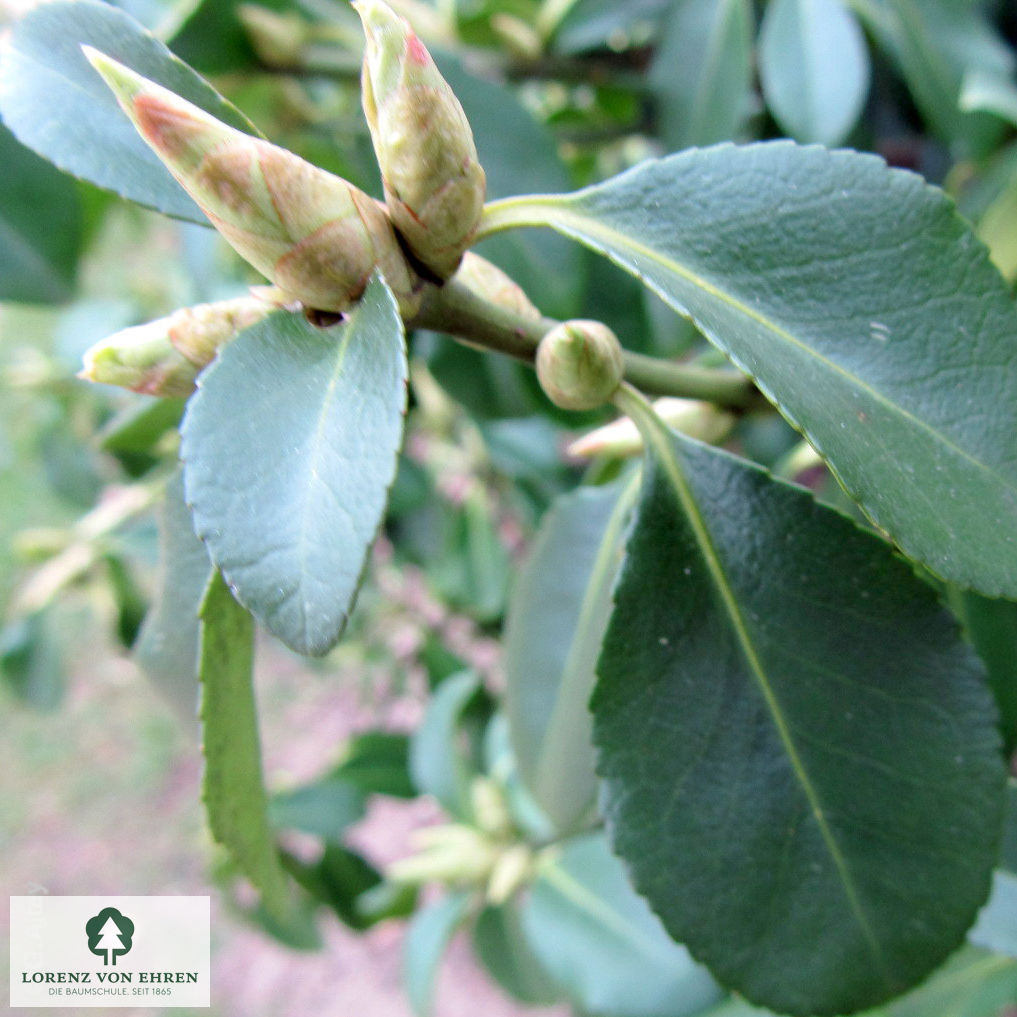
579, 364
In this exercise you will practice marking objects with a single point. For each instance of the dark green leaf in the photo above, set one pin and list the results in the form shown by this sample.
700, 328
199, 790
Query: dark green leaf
793, 683
934, 43
324, 808
377, 762
56, 103
972, 984
40, 227
130, 602
167, 646
863, 306
289, 448
702, 72
438, 763
384, 901
427, 937
814, 68
556, 621
600, 941
501, 945
138, 428
991, 625
345, 876
233, 791
32, 662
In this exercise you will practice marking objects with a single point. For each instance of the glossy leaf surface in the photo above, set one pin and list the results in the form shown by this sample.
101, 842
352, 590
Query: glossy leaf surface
864, 308
774, 684
289, 449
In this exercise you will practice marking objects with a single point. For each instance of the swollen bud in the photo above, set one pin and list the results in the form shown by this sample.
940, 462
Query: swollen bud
490, 282
579, 364
316, 236
434, 185
164, 357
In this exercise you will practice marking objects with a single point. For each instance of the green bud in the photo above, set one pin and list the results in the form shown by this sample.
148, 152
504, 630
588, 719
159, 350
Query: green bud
316, 236
434, 185
510, 873
579, 364
490, 811
165, 356
491, 283
453, 854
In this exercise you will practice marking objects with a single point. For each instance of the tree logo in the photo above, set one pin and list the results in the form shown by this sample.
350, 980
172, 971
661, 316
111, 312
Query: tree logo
109, 935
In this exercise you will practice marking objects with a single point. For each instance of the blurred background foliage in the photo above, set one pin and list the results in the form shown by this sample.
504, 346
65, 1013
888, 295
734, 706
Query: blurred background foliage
560, 93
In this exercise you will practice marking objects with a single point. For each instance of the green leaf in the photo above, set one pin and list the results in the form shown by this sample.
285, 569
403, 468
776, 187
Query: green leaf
593, 24
934, 43
167, 646
289, 449
814, 68
556, 621
427, 937
991, 625
600, 941
324, 808
139, 427
793, 683
32, 660
971, 984
377, 762
233, 791
344, 876
702, 72
500, 943
864, 308
40, 227
996, 928
438, 764
56, 103
989, 91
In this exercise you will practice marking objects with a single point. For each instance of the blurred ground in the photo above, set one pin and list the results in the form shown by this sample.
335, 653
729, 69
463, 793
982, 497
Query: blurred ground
102, 796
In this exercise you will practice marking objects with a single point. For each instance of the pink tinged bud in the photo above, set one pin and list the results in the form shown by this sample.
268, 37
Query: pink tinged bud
165, 356
316, 236
434, 184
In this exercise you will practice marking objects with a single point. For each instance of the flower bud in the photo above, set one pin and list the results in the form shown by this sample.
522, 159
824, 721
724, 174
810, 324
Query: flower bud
579, 364
491, 283
316, 236
434, 185
165, 356
621, 437
490, 810
512, 871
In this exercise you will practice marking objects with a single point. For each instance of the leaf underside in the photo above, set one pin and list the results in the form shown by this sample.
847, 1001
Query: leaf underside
289, 449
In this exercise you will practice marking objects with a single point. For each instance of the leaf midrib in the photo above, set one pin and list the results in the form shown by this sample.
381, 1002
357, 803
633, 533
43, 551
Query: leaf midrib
514, 212
659, 440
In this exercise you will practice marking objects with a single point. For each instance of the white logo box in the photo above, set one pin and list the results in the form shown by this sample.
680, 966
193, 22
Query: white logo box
163, 961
